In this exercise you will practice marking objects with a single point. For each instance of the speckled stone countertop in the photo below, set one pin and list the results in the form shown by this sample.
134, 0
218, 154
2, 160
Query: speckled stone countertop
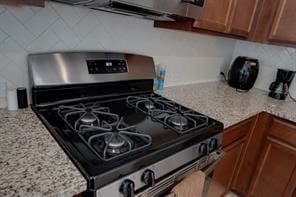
33, 164
223, 103
31, 161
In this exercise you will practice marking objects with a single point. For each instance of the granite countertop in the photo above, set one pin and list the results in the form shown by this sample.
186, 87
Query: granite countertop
33, 164
31, 161
223, 103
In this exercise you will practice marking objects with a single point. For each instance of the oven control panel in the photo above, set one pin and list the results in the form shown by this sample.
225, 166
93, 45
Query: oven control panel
106, 66
155, 179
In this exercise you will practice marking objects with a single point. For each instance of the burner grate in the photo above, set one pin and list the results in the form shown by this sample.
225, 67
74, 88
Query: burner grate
149, 103
125, 140
107, 135
169, 113
87, 115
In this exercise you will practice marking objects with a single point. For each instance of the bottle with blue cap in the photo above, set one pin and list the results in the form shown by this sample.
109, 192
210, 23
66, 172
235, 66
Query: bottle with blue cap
161, 78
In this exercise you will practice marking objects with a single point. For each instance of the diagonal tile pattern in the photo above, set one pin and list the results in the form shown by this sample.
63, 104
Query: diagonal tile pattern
189, 57
59, 27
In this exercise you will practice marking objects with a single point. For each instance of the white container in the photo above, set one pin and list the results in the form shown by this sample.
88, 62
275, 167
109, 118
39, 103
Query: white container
12, 100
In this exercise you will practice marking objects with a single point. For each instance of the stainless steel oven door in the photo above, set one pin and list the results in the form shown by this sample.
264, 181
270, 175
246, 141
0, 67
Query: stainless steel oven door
207, 164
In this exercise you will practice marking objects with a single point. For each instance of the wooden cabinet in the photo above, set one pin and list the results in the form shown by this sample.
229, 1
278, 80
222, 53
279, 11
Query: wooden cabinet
229, 16
284, 24
275, 169
216, 15
265, 21
39, 3
250, 158
276, 23
291, 188
243, 17
260, 159
234, 144
225, 171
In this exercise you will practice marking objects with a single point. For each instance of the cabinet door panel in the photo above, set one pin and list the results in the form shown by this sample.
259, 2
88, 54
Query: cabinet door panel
225, 170
291, 188
216, 16
283, 131
243, 17
251, 155
284, 24
238, 131
274, 170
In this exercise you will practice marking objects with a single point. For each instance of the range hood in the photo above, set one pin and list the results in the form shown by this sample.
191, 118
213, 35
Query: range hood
164, 10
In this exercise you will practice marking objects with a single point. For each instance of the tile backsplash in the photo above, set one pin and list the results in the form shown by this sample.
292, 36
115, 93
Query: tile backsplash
270, 58
57, 27
187, 57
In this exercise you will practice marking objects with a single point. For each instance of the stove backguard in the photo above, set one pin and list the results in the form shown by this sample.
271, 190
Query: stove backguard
57, 77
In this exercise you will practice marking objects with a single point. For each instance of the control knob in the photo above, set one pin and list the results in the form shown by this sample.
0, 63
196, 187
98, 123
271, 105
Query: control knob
149, 178
203, 149
213, 144
127, 188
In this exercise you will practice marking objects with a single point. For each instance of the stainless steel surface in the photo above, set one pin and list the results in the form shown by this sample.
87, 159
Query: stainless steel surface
164, 168
216, 159
67, 68
150, 9
171, 180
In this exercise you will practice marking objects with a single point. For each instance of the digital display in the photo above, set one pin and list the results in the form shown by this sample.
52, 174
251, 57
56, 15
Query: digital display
108, 63
106, 66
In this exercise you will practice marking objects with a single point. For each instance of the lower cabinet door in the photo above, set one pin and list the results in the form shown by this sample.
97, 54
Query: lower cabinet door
291, 188
224, 172
275, 172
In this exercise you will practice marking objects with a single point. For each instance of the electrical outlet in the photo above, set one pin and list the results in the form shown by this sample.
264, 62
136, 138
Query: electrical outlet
3, 88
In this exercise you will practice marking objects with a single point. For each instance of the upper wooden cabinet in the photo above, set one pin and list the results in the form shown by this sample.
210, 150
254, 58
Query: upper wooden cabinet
265, 21
276, 22
284, 24
39, 3
228, 16
216, 16
243, 16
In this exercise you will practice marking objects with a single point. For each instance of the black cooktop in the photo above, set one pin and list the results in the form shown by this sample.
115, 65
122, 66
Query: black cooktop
156, 139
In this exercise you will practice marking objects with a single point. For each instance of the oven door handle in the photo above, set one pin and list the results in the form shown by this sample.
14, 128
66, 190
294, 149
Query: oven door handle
216, 160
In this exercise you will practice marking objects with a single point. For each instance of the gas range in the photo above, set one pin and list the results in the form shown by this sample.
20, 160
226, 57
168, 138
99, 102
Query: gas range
125, 139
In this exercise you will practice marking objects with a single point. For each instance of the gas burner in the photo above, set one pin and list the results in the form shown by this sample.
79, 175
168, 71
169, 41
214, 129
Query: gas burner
178, 120
88, 118
107, 135
87, 115
116, 141
149, 103
172, 115
184, 121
